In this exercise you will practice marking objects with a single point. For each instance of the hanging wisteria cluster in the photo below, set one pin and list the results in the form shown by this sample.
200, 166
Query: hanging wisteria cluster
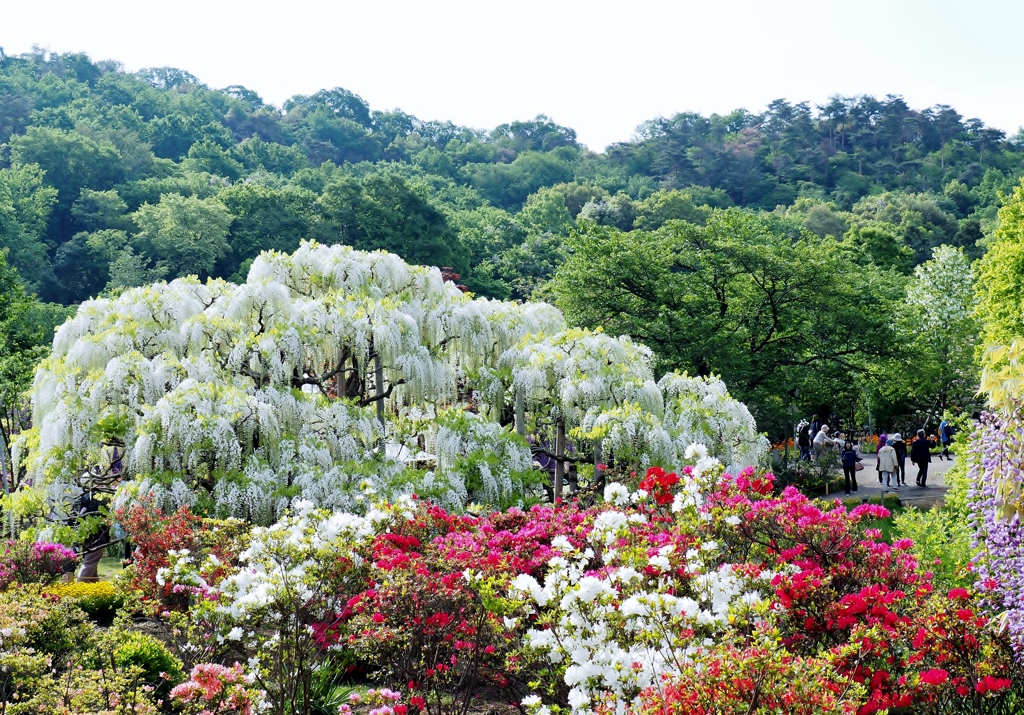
291, 386
996, 478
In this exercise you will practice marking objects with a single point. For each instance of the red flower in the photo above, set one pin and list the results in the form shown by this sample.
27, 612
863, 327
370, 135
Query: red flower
935, 676
991, 684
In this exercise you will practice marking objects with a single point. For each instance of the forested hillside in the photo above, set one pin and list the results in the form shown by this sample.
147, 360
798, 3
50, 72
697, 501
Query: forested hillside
110, 179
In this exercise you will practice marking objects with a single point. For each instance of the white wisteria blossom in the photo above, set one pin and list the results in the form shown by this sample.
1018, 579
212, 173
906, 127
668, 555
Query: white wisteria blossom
267, 391
301, 383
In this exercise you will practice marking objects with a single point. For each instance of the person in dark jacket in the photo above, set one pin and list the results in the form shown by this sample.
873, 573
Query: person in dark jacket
803, 439
920, 454
901, 458
815, 426
850, 458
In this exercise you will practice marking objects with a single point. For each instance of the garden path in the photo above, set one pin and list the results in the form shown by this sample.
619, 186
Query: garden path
909, 495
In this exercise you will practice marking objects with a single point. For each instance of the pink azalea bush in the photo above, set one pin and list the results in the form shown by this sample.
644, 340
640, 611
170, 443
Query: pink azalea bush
24, 562
217, 690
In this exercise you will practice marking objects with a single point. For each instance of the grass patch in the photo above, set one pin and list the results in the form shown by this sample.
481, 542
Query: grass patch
109, 567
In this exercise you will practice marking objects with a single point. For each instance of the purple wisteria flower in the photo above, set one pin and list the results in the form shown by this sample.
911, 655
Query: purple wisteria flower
996, 494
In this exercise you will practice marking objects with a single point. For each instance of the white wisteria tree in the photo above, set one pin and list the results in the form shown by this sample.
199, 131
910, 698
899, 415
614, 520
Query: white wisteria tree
341, 377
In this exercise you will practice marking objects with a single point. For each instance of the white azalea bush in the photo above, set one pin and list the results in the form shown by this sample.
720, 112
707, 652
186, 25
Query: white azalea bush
615, 613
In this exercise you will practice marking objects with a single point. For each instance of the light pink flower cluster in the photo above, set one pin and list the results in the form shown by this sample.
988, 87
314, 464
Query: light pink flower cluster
217, 690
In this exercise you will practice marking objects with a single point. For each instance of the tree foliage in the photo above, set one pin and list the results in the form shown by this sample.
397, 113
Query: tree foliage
901, 180
768, 306
1001, 277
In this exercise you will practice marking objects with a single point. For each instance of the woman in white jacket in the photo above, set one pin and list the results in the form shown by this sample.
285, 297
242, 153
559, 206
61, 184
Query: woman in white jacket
820, 440
888, 466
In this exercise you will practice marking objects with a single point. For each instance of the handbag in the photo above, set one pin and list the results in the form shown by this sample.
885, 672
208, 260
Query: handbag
857, 466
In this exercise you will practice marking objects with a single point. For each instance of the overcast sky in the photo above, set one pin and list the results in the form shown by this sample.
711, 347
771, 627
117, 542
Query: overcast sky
599, 67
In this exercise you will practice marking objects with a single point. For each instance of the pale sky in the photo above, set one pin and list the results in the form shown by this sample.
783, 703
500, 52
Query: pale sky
599, 67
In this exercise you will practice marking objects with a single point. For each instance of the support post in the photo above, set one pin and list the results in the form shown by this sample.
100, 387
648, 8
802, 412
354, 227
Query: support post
378, 377
559, 458
520, 413
7, 485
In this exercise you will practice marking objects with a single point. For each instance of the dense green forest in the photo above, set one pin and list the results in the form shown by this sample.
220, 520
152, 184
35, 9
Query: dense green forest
111, 179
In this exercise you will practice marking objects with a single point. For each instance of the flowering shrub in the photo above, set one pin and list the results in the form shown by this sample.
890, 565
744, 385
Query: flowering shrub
675, 588
217, 690
423, 621
643, 603
381, 701
154, 536
39, 562
99, 599
159, 538
281, 607
968, 666
757, 679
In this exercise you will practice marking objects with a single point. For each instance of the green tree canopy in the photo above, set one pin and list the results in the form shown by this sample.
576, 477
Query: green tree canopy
182, 234
755, 299
25, 205
383, 211
70, 161
1001, 277
265, 217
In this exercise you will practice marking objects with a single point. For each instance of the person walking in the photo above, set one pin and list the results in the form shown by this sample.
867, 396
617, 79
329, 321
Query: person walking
815, 426
901, 457
945, 436
803, 439
850, 459
887, 465
920, 454
883, 439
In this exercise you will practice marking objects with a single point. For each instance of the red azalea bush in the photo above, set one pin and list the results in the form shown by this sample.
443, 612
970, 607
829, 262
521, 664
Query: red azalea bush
433, 616
752, 680
155, 535
843, 594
